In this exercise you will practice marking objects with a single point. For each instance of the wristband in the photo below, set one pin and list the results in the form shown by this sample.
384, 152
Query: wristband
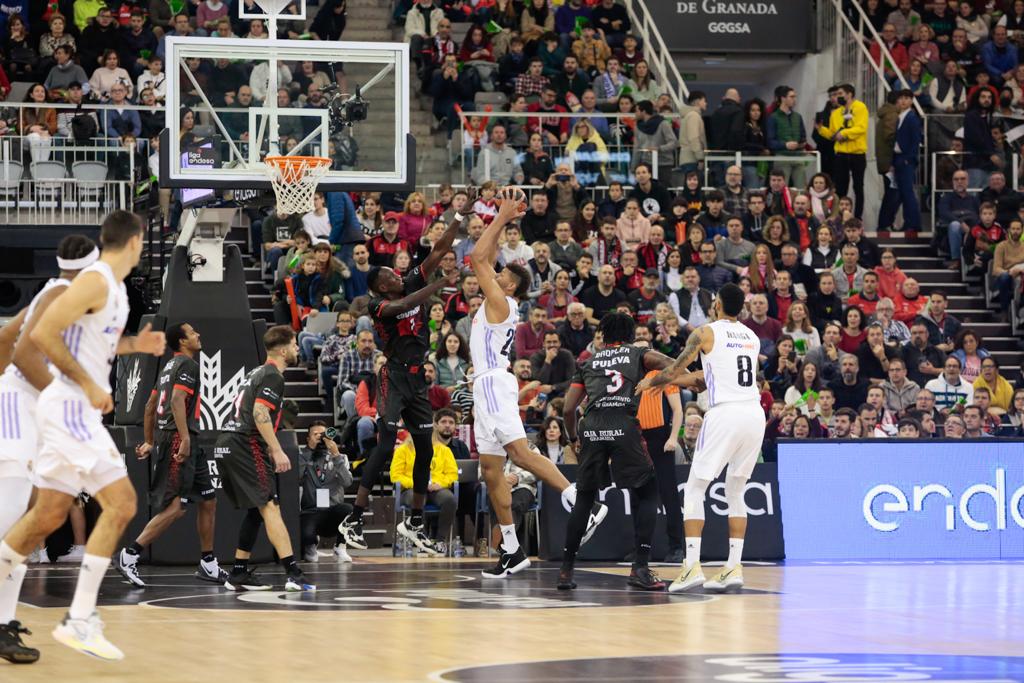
459, 217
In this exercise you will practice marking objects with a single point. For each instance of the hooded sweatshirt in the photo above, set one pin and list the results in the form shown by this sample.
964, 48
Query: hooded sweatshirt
655, 133
693, 139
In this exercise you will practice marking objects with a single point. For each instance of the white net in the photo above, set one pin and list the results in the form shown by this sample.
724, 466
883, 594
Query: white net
294, 180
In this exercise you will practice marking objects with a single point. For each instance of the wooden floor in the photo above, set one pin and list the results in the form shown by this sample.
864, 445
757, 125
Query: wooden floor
437, 620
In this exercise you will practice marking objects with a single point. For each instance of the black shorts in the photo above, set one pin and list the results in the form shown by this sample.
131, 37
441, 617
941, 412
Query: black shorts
403, 394
189, 480
612, 448
247, 472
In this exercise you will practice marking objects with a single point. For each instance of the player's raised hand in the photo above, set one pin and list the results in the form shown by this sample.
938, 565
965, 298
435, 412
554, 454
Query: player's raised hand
513, 204
150, 341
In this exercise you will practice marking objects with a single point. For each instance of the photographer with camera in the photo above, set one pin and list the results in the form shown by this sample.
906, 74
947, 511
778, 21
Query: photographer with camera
324, 475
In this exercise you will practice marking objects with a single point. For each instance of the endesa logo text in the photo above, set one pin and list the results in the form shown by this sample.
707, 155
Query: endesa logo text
886, 506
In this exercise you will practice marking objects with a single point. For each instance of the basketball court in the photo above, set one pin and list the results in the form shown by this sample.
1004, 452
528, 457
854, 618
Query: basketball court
394, 621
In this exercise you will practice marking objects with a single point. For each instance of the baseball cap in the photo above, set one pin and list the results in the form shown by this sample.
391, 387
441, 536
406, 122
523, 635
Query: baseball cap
392, 216
651, 272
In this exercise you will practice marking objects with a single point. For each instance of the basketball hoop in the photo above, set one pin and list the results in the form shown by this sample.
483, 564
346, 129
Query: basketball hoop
294, 180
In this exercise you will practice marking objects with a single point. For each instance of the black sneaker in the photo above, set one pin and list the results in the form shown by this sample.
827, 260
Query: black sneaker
246, 581
675, 556
565, 582
351, 530
645, 579
508, 564
416, 535
11, 647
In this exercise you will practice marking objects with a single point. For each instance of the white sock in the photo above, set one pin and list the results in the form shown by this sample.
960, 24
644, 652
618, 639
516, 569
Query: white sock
9, 592
509, 540
569, 495
735, 552
88, 589
692, 550
9, 559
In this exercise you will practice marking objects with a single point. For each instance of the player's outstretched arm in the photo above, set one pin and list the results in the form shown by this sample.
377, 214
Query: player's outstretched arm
700, 339
395, 308
485, 253
439, 249
147, 340
573, 399
8, 337
87, 292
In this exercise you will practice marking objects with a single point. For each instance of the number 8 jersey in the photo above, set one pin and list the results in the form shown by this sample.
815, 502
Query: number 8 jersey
490, 344
730, 370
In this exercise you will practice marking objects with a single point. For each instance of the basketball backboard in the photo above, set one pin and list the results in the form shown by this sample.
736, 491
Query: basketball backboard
233, 101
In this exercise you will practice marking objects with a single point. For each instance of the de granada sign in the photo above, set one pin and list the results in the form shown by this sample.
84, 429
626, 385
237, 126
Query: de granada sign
726, 26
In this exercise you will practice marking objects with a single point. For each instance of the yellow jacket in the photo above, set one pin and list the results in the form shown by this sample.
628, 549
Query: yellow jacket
855, 132
1001, 393
443, 470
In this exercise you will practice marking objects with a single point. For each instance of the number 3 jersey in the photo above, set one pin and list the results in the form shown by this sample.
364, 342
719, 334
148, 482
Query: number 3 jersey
730, 370
491, 343
610, 377
180, 372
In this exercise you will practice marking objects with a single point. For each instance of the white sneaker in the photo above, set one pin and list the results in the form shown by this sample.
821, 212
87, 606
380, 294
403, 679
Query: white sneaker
689, 579
310, 554
128, 566
211, 571
341, 552
597, 515
729, 579
35, 557
76, 555
86, 636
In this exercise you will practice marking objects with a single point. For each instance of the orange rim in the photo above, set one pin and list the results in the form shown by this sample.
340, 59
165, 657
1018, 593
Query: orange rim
293, 168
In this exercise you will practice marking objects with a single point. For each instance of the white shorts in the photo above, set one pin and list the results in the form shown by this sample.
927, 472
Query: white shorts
15, 493
18, 435
731, 435
76, 452
496, 420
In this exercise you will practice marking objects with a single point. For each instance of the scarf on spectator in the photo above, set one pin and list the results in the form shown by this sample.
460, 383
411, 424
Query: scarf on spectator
821, 203
608, 252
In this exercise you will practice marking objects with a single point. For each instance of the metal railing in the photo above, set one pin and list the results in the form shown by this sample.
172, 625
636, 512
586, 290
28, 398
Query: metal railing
810, 159
18, 109
937, 192
658, 55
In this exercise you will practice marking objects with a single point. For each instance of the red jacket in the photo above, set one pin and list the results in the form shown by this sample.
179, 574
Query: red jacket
898, 52
536, 123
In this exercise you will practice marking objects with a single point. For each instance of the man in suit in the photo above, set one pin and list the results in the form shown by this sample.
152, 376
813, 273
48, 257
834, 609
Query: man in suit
909, 135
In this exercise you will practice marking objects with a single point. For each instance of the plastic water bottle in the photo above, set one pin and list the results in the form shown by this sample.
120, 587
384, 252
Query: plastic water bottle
398, 547
410, 549
457, 548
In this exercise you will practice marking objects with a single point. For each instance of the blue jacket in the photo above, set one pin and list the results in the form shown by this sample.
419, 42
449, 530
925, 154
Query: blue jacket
345, 228
565, 17
953, 207
909, 137
116, 124
996, 61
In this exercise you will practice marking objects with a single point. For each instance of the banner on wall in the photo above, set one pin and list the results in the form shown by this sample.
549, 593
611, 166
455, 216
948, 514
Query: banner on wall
614, 539
864, 500
735, 26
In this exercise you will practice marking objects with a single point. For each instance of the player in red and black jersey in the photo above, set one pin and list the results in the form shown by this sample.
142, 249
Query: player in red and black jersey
399, 312
181, 472
250, 459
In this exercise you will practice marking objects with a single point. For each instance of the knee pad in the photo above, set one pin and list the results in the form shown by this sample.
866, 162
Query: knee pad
734, 488
693, 498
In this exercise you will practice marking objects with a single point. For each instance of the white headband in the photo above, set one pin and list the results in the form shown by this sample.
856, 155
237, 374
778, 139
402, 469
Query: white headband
79, 263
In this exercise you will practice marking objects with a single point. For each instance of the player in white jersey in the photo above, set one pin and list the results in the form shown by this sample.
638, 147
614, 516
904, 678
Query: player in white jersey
80, 333
20, 384
730, 437
496, 421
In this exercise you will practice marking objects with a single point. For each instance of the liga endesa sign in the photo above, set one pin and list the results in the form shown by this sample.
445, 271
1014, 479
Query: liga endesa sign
934, 499
725, 26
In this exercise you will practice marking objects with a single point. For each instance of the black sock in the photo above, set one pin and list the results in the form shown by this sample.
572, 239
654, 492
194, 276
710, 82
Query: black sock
240, 566
208, 556
416, 518
357, 513
643, 555
134, 549
290, 567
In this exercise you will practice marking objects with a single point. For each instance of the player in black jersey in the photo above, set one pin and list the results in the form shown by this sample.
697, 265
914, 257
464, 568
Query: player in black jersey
180, 471
611, 435
400, 319
251, 457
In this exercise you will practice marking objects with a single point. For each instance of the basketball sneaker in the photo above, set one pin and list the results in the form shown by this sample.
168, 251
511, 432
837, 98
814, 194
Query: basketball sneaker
341, 552
211, 571
508, 564
128, 566
245, 581
597, 515
645, 579
690, 578
310, 553
565, 580
297, 583
729, 579
12, 648
419, 538
352, 531
75, 555
86, 636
